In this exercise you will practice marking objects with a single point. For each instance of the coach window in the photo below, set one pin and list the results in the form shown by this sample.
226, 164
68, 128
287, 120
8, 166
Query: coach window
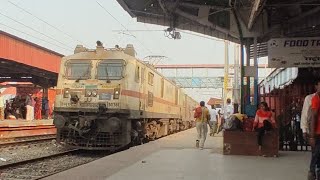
138, 74
142, 75
162, 87
150, 99
177, 96
150, 78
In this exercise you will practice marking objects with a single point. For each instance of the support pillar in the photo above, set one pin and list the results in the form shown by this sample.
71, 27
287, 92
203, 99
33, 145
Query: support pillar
247, 101
242, 101
236, 89
226, 72
255, 60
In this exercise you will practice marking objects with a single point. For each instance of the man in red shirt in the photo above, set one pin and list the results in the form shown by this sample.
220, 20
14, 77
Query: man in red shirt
314, 139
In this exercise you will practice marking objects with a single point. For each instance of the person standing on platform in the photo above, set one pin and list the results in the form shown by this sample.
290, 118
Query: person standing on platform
1, 107
30, 107
202, 116
46, 108
314, 133
213, 120
220, 118
37, 108
306, 114
227, 112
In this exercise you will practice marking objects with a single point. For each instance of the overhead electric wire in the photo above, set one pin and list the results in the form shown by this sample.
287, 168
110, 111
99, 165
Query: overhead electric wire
202, 36
52, 26
33, 36
123, 27
141, 30
35, 30
179, 30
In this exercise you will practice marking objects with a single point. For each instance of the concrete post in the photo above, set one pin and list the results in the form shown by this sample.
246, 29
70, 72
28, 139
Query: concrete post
236, 89
226, 72
255, 60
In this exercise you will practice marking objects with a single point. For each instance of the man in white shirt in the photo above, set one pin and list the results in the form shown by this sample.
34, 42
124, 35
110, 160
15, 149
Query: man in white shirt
213, 120
306, 114
227, 112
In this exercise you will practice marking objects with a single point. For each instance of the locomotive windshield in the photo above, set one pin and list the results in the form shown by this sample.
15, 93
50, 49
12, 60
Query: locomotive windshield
78, 70
110, 70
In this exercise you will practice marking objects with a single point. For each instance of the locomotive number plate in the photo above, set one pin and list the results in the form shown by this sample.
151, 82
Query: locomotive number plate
105, 96
67, 104
113, 104
90, 105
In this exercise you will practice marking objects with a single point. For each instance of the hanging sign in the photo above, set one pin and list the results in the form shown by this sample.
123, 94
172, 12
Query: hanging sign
294, 52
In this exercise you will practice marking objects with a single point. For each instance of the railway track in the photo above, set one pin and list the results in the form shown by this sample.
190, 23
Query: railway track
6, 142
45, 166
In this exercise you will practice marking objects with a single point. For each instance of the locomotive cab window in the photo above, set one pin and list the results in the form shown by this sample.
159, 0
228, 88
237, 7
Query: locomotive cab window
78, 69
110, 70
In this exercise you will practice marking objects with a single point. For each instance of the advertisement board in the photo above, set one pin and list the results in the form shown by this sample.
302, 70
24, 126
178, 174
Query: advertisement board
294, 52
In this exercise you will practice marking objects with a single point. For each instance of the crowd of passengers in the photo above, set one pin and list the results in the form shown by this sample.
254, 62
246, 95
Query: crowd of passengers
27, 107
298, 123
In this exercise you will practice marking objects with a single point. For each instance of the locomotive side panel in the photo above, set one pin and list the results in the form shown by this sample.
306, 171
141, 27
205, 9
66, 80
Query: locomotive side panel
130, 93
182, 105
160, 96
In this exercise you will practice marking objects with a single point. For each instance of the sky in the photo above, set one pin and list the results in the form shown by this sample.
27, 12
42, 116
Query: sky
60, 25
86, 22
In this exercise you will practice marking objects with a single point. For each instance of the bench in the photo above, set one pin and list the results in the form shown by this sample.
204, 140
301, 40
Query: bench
245, 143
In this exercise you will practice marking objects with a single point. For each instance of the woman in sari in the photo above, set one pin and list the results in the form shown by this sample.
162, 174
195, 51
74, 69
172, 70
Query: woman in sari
37, 108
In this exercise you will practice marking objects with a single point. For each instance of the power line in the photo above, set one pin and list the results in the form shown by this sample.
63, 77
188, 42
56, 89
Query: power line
35, 30
33, 36
140, 30
179, 30
123, 27
202, 36
24, 10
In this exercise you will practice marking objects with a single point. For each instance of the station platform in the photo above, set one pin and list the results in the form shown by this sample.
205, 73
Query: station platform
23, 128
23, 123
174, 157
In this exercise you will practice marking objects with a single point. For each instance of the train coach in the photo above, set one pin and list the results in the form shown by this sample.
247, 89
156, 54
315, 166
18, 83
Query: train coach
107, 99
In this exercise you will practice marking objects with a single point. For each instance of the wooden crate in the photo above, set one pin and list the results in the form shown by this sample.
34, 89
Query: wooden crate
245, 143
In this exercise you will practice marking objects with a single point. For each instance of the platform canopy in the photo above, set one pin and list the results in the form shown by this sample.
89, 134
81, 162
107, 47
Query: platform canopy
24, 61
231, 19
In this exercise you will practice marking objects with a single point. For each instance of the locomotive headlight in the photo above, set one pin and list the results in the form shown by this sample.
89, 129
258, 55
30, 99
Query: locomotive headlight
94, 93
88, 93
116, 93
66, 93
